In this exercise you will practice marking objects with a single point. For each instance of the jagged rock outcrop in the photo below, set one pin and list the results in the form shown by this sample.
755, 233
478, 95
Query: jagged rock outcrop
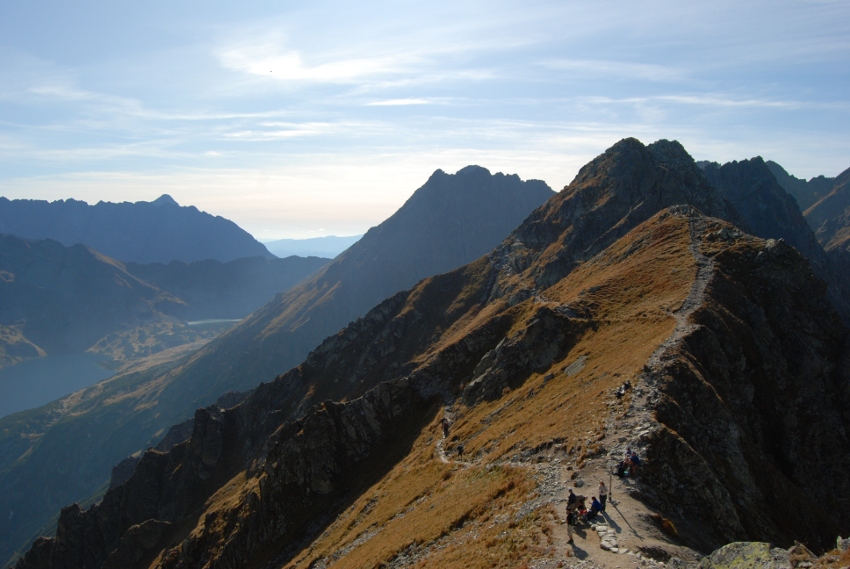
754, 402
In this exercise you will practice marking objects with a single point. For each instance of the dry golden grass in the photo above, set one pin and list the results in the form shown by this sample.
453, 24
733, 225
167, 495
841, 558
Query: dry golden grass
449, 515
423, 500
631, 298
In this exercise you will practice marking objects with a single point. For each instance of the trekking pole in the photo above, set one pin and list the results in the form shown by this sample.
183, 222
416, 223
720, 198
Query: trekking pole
610, 486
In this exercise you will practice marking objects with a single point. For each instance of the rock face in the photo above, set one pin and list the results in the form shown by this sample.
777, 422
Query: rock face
741, 358
772, 213
805, 192
145, 232
830, 215
753, 403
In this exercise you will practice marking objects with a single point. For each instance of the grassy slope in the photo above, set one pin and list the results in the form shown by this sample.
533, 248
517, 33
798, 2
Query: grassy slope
422, 502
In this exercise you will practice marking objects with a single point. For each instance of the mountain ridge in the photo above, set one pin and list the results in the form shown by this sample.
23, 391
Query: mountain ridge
144, 232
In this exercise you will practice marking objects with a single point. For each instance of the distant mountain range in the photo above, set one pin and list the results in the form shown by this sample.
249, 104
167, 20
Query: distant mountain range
642, 271
329, 246
61, 300
449, 221
144, 232
64, 299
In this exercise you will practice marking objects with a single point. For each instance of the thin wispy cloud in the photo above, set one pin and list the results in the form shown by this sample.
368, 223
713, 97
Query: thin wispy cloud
398, 103
291, 103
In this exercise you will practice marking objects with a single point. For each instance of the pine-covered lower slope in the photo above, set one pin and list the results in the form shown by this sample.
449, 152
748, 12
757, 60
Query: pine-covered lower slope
733, 349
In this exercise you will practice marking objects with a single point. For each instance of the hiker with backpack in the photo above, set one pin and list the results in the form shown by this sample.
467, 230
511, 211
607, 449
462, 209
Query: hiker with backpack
572, 517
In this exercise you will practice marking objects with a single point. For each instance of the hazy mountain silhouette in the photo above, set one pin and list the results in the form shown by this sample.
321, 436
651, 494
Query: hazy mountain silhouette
144, 232
329, 246
212, 289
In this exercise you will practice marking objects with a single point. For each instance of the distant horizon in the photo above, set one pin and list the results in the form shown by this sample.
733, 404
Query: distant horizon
282, 233
305, 119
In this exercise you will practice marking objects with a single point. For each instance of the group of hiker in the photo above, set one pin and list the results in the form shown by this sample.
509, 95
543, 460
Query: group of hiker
577, 510
629, 465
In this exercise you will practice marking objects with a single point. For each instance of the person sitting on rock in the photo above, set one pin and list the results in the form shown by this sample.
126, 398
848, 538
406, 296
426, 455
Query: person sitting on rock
595, 508
625, 465
634, 462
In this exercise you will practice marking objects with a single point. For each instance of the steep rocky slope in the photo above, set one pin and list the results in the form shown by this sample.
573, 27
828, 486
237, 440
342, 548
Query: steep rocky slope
145, 232
737, 359
772, 213
451, 220
830, 215
805, 192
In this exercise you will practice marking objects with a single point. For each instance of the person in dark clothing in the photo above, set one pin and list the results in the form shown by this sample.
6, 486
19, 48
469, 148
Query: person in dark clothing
445, 423
595, 508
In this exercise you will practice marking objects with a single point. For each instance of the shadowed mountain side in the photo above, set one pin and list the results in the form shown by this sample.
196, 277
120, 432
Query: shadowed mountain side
830, 215
261, 484
771, 213
145, 232
806, 193
451, 220
212, 289
52, 455
63, 299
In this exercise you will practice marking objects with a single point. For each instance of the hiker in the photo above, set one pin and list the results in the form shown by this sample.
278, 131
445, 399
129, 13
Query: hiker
571, 521
603, 495
625, 465
595, 508
571, 501
634, 462
460, 452
445, 423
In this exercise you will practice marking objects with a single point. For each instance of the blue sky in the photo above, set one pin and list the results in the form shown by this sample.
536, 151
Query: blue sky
300, 119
